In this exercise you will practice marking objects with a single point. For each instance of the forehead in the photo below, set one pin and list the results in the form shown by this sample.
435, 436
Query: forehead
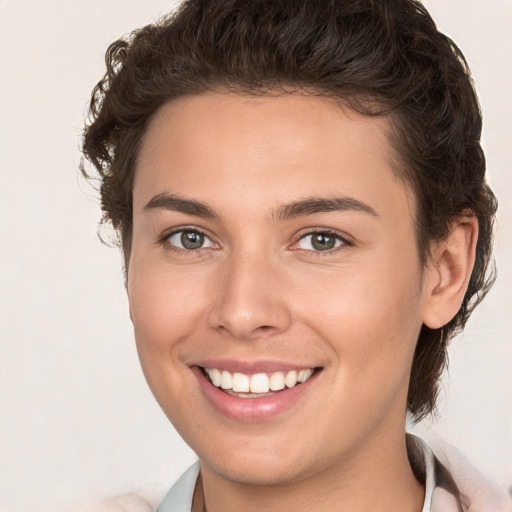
249, 149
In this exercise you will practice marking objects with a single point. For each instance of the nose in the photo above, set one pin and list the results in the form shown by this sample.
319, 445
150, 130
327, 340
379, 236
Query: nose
250, 300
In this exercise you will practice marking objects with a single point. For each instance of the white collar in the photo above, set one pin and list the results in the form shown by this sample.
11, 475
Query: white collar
423, 461
179, 498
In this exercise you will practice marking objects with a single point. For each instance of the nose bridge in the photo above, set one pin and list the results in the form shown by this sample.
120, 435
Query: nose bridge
249, 300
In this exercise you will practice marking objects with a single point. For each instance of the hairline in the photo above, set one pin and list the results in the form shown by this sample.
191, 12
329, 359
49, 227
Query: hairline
338, 101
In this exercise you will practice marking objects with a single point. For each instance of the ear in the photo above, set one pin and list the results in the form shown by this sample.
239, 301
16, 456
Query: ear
448, 273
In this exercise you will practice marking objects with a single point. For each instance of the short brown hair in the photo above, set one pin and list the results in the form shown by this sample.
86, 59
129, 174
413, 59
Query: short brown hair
381, 57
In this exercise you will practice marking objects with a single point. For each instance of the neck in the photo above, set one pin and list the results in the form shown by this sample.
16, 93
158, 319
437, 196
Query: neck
378, 478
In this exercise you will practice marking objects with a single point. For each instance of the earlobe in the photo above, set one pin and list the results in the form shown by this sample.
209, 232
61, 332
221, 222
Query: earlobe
449, 271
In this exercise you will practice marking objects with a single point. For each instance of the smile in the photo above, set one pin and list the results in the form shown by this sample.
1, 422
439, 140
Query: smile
254, 392
258, 383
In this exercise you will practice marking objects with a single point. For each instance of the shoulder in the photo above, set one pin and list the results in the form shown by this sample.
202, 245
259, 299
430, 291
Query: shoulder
457, 484
479, 493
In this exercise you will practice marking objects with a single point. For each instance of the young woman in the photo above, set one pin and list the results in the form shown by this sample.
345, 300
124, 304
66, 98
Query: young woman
300, 195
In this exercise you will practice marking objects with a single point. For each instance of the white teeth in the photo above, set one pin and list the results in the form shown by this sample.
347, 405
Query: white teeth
291, 379
240, 383
304, 375
277, 381
226, 380
215, 376
259, 382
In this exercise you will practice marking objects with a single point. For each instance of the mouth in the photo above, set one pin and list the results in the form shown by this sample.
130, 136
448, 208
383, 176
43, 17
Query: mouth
256, 385
257, 395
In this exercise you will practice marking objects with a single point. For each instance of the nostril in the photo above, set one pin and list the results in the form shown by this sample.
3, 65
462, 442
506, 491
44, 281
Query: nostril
245, 316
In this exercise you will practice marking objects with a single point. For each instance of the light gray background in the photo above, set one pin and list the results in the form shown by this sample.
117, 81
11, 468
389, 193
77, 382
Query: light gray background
77, 420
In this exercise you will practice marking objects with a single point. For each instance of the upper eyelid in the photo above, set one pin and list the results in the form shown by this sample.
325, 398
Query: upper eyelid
346, 242
346, 239
312, 231
164, 238
178, 229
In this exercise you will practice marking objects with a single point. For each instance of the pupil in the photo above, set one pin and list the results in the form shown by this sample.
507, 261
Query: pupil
323, 241
192, 240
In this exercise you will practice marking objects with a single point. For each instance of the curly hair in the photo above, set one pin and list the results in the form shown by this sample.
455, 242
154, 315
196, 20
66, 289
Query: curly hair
380, 57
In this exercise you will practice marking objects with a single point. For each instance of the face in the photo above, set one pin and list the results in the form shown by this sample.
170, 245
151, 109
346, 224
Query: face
274, 283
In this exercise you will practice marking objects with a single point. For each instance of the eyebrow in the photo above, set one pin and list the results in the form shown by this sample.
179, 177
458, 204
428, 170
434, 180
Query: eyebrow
315, 205
176, 203
301, 208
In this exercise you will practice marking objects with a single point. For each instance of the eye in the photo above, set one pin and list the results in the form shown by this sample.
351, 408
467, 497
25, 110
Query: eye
189, 239
320, 241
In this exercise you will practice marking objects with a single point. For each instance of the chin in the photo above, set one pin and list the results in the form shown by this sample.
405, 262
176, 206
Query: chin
261, 475
261, 468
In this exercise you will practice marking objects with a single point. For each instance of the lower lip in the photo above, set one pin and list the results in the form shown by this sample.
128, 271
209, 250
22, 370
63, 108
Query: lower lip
252, 410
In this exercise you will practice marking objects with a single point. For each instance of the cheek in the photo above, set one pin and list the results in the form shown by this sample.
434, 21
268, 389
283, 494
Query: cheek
370, 317
165, 306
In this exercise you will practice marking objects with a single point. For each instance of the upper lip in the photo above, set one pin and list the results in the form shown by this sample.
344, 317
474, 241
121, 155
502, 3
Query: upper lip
252, 367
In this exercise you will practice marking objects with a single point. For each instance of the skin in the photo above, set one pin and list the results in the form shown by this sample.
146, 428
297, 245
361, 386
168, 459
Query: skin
258, 290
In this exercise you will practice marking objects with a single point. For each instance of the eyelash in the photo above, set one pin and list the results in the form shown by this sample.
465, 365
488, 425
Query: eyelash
165, 240
345, 241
